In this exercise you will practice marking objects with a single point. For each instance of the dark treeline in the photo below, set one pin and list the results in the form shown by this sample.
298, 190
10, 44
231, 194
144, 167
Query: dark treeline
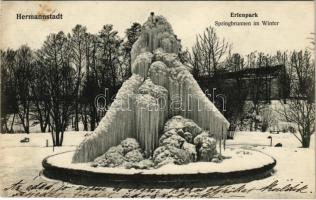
55, 85
212, 56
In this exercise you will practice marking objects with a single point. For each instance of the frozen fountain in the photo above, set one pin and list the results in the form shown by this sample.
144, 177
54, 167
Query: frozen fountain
161, 126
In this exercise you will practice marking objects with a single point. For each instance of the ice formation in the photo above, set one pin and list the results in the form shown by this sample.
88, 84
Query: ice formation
116, 125
176, 148
141, 64
173, 148
150, 114
127, 154
161, 87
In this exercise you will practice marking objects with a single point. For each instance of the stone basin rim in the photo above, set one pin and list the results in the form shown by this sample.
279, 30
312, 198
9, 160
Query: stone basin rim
85, 176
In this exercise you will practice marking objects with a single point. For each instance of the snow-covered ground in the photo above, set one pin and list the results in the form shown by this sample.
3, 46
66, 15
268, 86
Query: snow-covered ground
287, 140
24, 160
295, 168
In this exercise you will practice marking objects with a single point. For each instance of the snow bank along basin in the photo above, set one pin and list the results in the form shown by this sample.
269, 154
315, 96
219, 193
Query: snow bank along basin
243, 163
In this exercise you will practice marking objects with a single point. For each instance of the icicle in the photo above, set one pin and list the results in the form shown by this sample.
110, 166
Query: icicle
151, 104
114, 126
141, 65
147, 120
158, 73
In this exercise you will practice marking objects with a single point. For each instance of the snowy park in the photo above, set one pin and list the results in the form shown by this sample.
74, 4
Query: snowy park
140, 115
294, 166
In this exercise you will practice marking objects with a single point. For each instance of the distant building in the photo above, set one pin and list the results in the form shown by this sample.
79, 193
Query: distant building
261, 84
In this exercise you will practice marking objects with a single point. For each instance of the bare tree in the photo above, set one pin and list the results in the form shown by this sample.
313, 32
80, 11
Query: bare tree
40, 95
132, 35
55, 55
302, 114
23, 76
8, 91
208, 52
236, 97
301, 107
90, 88
78, 49
109, 54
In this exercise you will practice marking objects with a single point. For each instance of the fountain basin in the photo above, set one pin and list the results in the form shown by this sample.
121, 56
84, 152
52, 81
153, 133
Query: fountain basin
243, 166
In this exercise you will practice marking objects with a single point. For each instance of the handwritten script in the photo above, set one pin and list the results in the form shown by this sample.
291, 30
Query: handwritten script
42, 188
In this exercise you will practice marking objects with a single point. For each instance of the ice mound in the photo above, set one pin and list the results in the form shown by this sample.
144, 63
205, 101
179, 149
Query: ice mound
127, 154
156, 33
158, 73
187, 125
129, 144
174, 140
148, 87
175, 148
161, 87
141, 65
206, 146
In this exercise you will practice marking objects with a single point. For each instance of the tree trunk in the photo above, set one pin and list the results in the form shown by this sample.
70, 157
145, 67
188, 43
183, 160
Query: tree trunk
53, 138
84, 117
43, 122
92, 117
77, 117
61, 138
306, 140
57, 137
27, 128
12, 123
43, 127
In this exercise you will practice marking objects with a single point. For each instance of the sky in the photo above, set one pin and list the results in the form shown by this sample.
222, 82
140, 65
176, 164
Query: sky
188, 18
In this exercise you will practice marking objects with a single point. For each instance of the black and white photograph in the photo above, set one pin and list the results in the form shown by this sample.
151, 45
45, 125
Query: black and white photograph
157, 99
